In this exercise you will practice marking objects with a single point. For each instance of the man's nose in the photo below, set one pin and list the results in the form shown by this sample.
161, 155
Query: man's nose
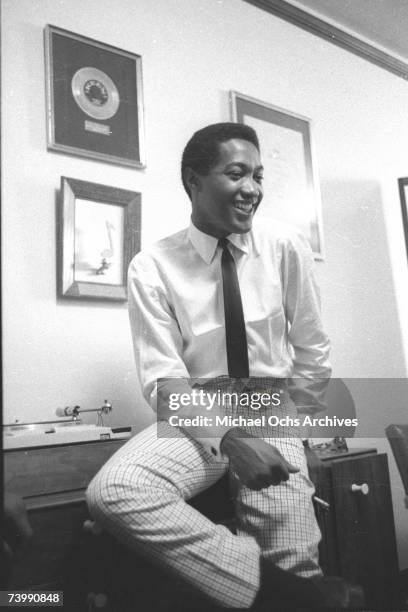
250, 187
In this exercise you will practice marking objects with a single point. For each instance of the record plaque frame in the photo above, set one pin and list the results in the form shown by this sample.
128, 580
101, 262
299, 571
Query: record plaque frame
94, 97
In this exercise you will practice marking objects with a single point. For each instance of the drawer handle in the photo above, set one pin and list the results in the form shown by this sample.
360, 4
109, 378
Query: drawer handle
363, 488
92, 527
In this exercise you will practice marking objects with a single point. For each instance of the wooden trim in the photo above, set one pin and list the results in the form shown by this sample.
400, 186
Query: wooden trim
319, 27
56, 500
327, 455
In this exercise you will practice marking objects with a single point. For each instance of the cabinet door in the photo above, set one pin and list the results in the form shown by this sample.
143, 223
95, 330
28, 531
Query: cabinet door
52, 553
57, 557
365, 528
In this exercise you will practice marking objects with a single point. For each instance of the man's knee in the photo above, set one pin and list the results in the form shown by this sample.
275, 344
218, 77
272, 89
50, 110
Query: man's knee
99, 494
125, 490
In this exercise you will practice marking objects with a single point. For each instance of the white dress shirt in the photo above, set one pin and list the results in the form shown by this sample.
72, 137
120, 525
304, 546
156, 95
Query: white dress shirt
177, 313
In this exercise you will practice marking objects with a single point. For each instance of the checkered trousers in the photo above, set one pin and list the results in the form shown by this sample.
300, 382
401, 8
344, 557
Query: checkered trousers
139, 496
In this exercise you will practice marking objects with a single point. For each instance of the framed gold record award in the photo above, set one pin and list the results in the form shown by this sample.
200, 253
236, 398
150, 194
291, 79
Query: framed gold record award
94, 99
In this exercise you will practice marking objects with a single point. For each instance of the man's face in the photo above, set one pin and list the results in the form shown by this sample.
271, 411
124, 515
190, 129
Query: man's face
225, 200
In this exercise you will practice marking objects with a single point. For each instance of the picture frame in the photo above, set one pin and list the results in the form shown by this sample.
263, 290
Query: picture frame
403, 191
98, 234
292, 192
94, 99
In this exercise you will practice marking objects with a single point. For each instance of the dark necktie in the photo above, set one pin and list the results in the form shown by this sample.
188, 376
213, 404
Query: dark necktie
237, 348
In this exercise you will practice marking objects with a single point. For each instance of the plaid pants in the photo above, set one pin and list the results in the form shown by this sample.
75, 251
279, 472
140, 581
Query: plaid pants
139, 497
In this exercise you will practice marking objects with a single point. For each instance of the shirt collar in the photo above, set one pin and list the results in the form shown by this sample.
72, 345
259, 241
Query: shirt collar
206, 245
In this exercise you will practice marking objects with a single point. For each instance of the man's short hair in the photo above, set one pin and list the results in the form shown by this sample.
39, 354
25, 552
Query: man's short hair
202, 150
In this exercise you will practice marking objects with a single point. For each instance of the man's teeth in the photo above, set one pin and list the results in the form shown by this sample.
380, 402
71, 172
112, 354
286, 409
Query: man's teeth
244, 207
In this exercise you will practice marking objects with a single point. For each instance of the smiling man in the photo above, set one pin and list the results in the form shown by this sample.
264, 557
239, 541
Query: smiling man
225, 200
235, 308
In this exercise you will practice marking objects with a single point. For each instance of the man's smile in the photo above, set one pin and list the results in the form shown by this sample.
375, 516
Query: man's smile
246, 207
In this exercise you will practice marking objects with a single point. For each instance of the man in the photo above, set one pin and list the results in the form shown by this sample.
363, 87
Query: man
238, 314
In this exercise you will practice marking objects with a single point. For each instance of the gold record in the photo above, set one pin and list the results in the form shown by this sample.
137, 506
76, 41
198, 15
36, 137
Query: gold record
95, 93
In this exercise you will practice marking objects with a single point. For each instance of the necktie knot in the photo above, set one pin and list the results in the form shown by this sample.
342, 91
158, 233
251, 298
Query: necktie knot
223, 243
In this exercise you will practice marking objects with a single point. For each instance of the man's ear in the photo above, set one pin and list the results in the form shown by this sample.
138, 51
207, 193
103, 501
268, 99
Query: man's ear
192, 179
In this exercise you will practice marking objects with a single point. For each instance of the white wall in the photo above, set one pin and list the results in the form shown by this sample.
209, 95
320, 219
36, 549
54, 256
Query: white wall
59, 353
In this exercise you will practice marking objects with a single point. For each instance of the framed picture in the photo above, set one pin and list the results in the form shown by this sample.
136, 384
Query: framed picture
98, 234
403, 189
292, 191
94, 99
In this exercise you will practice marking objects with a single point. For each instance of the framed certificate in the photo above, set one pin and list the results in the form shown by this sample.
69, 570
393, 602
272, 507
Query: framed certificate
292, 191
94, 99
98, 235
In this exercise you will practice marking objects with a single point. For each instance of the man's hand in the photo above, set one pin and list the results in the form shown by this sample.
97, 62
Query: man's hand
257, 464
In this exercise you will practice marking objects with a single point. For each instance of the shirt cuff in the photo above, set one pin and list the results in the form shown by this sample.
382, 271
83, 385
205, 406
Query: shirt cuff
211, 442
213, 447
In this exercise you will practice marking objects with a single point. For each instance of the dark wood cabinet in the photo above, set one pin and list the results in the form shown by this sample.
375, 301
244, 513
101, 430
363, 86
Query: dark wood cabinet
358, 531
52, 482
358, 534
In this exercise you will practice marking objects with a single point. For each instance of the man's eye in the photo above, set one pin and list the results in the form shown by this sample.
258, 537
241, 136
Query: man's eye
259, 178
235, 176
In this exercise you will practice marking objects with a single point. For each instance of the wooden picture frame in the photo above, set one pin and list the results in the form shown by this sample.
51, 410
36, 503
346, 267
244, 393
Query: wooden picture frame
94, 96
98, 235
403, 191
292, 192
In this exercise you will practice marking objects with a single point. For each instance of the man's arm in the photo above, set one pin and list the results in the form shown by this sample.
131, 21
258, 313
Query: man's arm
310, 343
158, 346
